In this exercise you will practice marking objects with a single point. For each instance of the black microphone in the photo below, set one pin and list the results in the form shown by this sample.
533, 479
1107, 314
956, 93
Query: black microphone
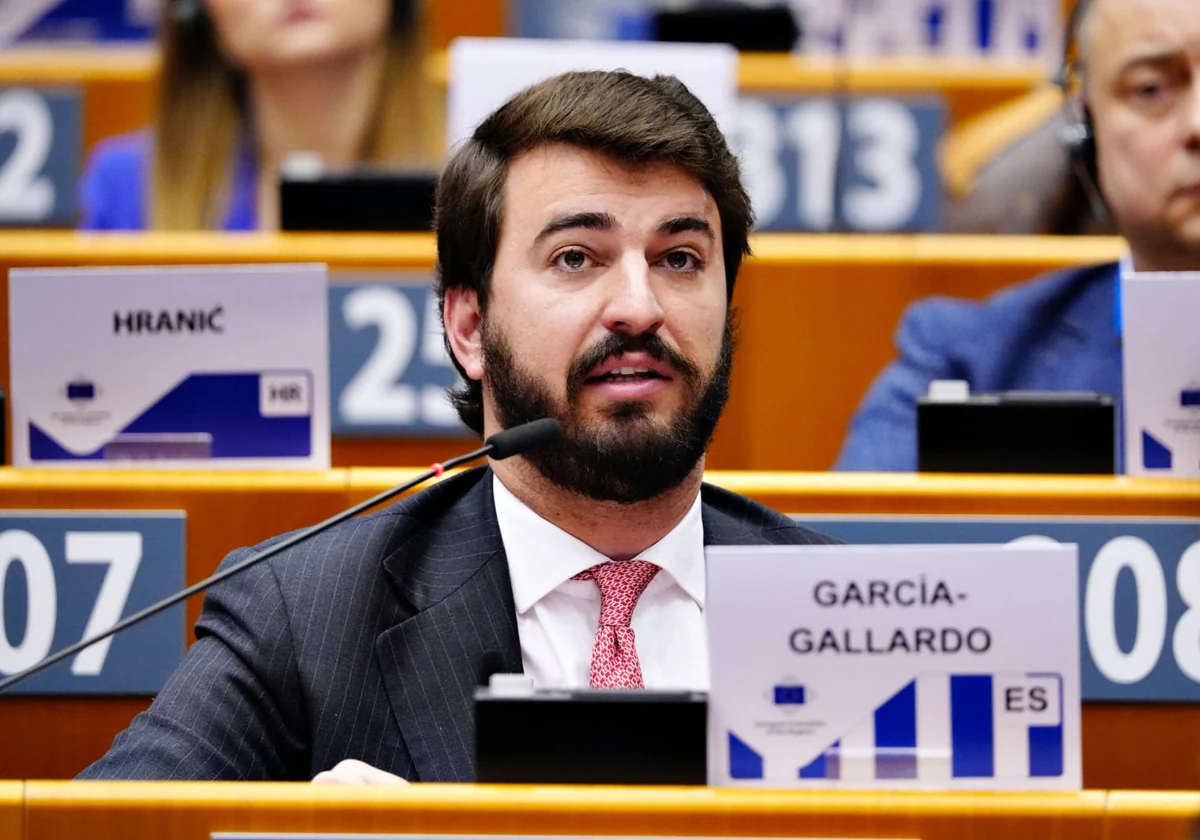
522, 438
499, 446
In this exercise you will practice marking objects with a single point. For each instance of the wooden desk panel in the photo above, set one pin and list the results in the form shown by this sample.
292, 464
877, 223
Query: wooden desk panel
57, 737
1140, 746
118, 82
817, 319
968, 87
143, 811
1135, 815
817, 316
909, 493
12, 811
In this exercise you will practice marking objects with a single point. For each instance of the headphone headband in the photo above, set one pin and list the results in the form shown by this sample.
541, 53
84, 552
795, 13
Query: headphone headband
1068, 71
1078, 135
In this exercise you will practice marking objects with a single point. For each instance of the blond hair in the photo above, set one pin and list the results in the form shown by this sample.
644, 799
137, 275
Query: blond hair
201, 120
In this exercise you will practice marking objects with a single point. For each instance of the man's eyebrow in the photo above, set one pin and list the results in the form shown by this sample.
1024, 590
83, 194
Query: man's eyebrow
1160, 58
588, 221
683, 224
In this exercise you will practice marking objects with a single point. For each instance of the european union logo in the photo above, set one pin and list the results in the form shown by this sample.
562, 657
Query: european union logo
789, 695
81, 390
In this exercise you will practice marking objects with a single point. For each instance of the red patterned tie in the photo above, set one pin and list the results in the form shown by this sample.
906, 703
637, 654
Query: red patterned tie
614, 657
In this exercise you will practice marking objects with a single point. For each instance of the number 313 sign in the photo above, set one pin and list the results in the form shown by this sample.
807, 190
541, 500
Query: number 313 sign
853, 164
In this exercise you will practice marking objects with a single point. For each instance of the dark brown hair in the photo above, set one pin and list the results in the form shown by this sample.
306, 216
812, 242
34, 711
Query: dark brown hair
632, 119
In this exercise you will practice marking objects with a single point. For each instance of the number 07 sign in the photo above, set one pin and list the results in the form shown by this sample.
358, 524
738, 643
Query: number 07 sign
65, 577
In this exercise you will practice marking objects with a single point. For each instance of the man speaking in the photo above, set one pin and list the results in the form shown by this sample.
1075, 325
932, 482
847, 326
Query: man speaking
589, 235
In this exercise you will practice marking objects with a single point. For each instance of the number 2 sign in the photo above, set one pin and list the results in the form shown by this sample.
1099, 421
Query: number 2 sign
39, 156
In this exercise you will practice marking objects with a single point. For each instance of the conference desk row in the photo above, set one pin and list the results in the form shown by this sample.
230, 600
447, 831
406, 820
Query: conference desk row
1125, 746
181, 811
817, 314
118, 83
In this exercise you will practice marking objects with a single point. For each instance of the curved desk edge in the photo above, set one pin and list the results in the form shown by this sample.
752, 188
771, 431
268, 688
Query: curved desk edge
139, 809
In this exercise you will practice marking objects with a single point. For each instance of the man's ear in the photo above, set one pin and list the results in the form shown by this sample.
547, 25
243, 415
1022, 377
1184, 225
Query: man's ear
464, 329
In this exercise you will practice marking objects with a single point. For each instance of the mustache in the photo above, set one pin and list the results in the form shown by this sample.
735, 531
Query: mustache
615, 344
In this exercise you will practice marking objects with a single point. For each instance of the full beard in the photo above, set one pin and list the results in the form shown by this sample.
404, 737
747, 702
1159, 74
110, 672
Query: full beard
626, 455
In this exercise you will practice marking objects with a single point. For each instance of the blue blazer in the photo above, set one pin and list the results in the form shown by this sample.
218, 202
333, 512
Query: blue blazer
115, 188
1056, 333
364, 642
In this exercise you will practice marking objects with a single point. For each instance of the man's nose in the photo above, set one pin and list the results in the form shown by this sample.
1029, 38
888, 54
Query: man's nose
633, 306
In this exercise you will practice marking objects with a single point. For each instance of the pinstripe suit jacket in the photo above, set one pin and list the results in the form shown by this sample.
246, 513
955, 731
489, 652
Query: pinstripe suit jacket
365, 642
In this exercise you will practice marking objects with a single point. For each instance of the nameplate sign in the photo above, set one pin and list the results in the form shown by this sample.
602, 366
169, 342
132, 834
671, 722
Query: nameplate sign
910, 667
1161, 348
486, 72
66, 576
197, 366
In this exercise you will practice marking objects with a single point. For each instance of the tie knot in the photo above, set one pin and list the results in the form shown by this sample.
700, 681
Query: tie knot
621, 584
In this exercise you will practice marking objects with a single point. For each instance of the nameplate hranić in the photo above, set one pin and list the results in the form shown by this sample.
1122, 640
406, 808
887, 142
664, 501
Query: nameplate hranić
197, 366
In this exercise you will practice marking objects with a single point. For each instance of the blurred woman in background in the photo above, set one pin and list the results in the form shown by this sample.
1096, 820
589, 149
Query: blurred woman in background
245, 83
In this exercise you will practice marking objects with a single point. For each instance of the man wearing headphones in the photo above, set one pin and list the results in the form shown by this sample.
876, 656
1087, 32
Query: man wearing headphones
1132, 75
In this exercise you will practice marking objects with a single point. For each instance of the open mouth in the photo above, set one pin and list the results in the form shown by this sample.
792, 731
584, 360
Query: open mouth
626, 374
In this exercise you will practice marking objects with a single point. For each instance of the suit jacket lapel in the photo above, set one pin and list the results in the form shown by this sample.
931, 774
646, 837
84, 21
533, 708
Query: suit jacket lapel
453, 578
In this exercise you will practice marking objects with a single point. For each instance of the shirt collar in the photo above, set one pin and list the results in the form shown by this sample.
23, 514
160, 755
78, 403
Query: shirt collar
542, 556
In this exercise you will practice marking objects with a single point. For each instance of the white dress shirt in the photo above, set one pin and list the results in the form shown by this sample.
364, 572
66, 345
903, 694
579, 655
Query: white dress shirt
557, 617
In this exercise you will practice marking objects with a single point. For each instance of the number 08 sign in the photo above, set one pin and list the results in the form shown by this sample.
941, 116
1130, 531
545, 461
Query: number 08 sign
65, 577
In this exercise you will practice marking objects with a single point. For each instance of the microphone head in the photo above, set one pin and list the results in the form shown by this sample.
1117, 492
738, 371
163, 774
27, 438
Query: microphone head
522, 438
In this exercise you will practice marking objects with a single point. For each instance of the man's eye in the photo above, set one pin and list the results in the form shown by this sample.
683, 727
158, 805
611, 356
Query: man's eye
1154, 91
573, 260
682, 261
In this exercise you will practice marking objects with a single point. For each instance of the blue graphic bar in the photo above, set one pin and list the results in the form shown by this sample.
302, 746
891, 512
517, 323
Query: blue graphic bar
1155, 454
972, 737
896, 735
815, 769
1046, 750
744, 762
827, 765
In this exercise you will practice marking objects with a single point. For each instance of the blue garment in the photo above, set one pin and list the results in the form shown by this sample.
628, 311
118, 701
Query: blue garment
1054, 333
114, 192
